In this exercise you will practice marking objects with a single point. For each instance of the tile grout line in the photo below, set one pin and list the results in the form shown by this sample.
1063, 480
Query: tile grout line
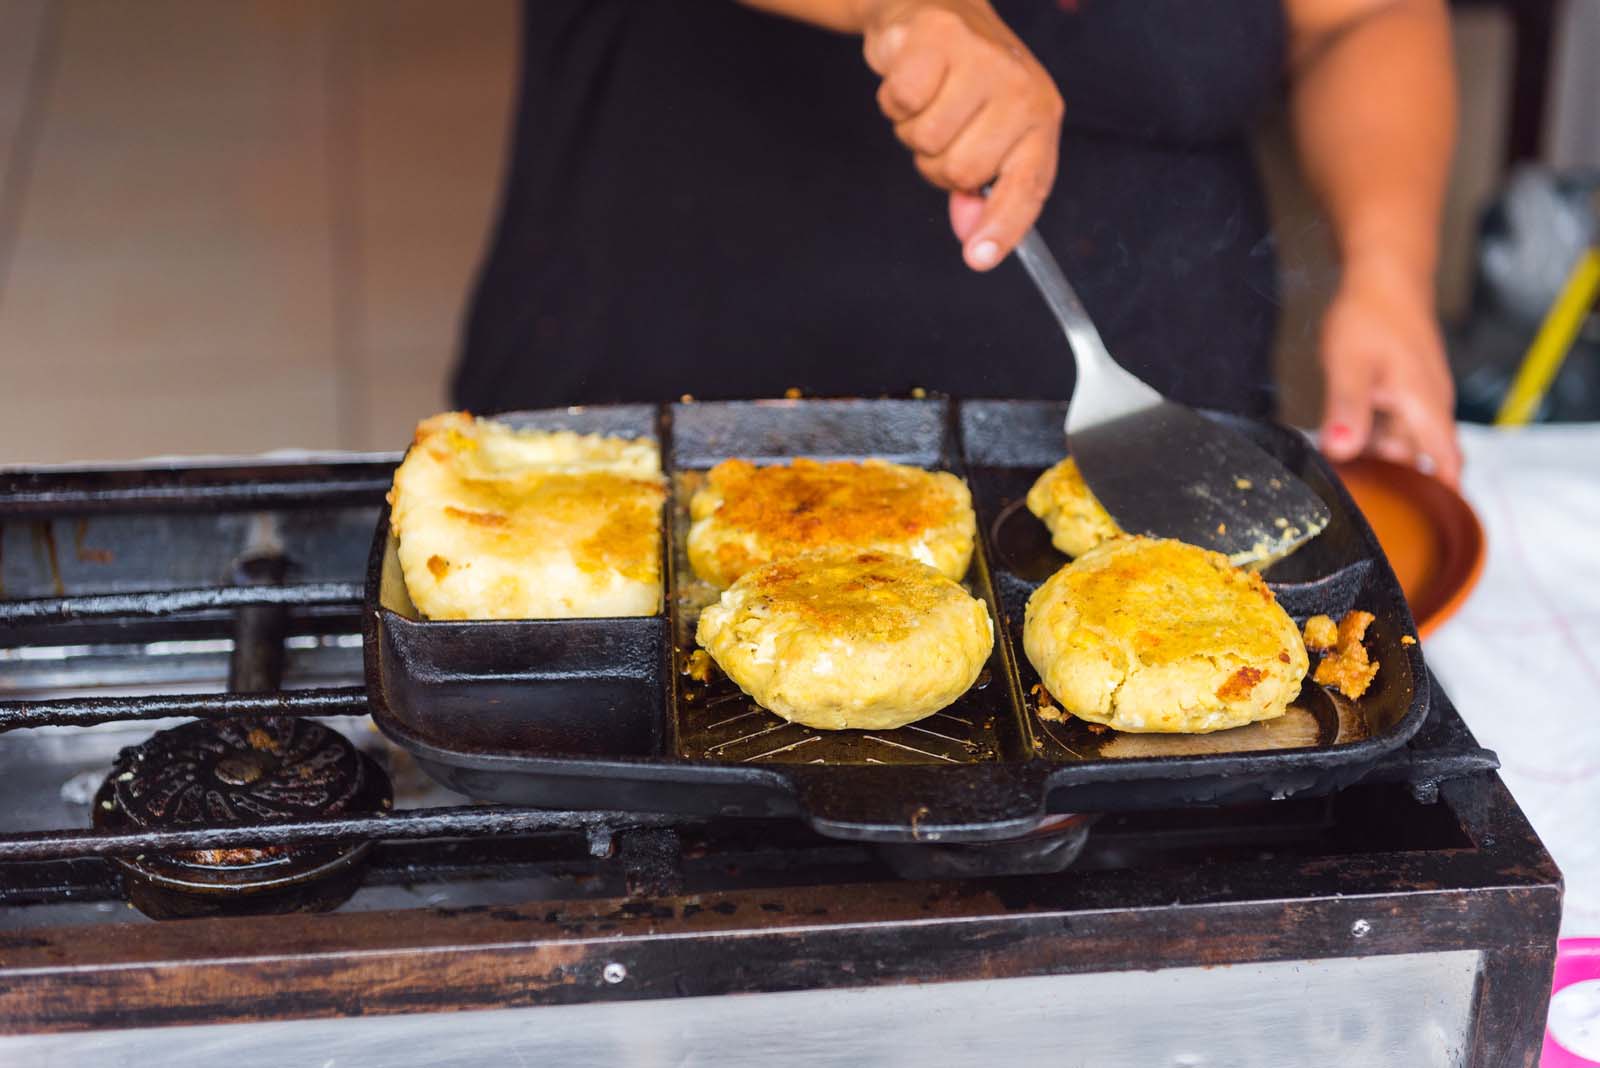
342, 79
25, 142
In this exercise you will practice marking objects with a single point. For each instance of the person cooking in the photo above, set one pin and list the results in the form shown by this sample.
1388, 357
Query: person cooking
705, 199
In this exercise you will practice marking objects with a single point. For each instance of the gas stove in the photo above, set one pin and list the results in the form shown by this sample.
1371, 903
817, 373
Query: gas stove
200, 829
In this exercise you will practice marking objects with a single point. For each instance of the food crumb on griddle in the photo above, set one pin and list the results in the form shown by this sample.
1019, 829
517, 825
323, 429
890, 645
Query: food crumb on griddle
1406, 639
1045, 705
698, 666
1345, 664
1321, 633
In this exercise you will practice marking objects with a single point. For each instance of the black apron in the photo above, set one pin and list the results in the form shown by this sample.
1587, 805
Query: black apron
704, 199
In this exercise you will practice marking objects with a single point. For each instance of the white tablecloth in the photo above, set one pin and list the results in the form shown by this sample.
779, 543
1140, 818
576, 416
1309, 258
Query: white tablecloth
1522, 658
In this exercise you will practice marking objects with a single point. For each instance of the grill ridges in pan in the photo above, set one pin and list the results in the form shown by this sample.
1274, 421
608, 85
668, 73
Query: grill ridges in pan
714, 720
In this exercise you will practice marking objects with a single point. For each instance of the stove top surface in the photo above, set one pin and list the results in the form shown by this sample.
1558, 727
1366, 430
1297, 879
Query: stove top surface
128, 607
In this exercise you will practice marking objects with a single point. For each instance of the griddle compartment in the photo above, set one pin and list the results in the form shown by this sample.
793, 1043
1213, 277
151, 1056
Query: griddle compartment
524, 686
1323, 742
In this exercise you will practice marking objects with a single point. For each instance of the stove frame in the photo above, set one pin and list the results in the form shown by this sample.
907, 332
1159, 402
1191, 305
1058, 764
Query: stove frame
1446, 860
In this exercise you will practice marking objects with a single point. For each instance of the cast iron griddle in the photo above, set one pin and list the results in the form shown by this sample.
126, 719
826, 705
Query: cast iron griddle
598, 713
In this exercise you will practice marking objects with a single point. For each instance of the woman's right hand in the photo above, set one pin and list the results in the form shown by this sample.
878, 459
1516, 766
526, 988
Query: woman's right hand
975, 107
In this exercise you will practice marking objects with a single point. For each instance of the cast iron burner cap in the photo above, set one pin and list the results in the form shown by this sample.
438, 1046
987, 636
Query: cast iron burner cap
246, 770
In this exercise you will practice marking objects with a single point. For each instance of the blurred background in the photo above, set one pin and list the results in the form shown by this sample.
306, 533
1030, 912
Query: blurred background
230, 227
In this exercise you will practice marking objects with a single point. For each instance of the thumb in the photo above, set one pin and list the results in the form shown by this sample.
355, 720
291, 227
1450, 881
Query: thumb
966, 209
1347, 409
880, 46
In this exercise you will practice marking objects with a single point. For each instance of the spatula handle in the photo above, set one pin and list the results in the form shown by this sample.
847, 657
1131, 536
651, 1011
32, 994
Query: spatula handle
1063, 300
1105, 389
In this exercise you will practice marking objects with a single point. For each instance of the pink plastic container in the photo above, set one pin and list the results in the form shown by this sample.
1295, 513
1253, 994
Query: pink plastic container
1572, 1034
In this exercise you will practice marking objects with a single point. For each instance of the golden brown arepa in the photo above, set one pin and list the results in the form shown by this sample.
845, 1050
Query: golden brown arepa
745, 516
835, 640
1147, 634
498, 523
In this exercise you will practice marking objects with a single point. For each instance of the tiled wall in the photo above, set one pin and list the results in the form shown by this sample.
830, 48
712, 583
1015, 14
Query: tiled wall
235, 225
239, 226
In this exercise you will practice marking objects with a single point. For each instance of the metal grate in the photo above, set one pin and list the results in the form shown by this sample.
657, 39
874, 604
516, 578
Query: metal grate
256, 608
281, 581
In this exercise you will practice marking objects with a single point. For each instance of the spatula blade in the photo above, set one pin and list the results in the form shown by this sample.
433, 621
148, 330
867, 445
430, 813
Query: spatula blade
1168, 471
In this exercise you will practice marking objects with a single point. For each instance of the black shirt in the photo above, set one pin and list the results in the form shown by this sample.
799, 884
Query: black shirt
704, 199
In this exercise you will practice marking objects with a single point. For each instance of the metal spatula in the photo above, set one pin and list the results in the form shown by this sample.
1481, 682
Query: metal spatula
1159, 467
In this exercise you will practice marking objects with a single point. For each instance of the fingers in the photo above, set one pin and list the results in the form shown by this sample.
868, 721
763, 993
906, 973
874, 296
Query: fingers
1445, 454
912, 83
1408, 421
1431, 417
880, 47
1388, 394
999, 144
1391, 441
1026, 175
913, 58
1347, 409
1419, 429
935, 128
1389, 390
966, 210
1418, 439
974, 107
977, 157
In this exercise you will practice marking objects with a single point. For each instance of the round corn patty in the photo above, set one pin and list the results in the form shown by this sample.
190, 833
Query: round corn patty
745, 516
1146, 634
848, 639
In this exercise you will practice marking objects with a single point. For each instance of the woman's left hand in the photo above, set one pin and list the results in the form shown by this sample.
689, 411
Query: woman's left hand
1389, 390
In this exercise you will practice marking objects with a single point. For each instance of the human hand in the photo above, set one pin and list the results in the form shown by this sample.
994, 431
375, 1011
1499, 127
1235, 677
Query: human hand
1389, 390
975, 107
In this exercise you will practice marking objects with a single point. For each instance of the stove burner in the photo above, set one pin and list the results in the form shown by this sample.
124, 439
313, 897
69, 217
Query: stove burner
244, 770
